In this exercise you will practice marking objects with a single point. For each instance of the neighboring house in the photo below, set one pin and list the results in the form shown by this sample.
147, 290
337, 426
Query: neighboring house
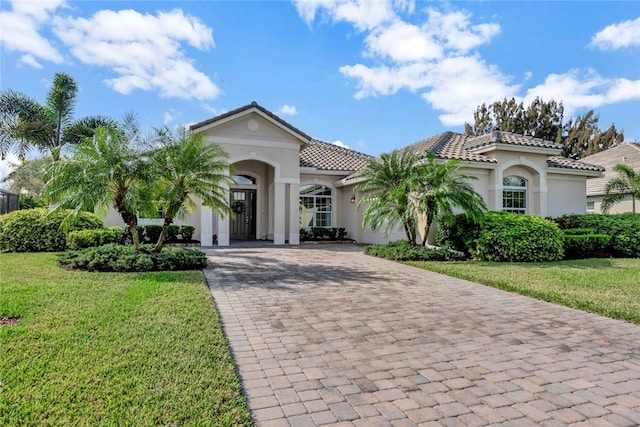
285, 179
8, 202
628, 154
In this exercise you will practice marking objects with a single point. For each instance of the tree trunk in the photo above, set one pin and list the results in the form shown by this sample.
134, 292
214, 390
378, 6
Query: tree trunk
163, 235
427, 228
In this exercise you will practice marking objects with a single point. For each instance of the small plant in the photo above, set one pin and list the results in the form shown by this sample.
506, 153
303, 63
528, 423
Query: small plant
152, 233
186, 231
96, 237
401, 250
172, 233
323, 233
342, 233
113, 257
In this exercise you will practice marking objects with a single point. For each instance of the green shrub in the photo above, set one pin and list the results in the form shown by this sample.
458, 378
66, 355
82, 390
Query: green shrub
342, 233
401, 250
580, 246
97, 237
30, 201
38, 230
578, 231
187, 232
172, 233
518, 238
460, 234
624, 230
119, 258
323, 233
305, 234
152, 233
318, 233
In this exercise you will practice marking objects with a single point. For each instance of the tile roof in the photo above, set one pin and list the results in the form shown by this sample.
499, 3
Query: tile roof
564, 162
325, 156
245, 108
448, 145
499, 137
628, 153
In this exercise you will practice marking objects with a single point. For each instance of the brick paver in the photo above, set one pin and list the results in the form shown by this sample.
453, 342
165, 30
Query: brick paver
325, 335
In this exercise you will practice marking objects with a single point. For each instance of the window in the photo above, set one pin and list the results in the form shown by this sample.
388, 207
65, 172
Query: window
315, 206
591, 206
514, 194
243, 179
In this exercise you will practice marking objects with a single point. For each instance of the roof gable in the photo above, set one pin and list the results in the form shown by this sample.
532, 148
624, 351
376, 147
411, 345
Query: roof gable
253, 108
628, 154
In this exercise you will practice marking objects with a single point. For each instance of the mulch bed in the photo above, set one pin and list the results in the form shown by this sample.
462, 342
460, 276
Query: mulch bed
9, 321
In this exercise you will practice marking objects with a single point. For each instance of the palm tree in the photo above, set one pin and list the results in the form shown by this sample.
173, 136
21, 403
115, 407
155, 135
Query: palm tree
441, 188
186, 168
104, 170
617, 189
389, 184
24, 123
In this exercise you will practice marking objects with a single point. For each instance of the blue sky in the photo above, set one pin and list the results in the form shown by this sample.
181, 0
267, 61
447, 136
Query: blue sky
373, 75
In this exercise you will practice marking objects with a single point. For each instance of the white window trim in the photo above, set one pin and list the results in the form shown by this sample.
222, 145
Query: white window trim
521, 189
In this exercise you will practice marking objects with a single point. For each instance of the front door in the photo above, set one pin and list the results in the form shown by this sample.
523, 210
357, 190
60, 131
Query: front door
243, 204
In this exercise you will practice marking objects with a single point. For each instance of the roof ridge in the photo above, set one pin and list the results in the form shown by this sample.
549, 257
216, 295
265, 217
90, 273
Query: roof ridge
339, 147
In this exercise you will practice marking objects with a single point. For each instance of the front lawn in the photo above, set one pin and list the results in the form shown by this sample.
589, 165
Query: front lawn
137, 349
610, 287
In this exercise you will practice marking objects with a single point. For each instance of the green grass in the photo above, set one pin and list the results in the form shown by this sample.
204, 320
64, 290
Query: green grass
112, 349
610, 287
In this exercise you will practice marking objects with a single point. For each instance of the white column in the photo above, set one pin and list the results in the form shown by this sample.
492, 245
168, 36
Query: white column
294, 214
206, 226
223, 222
278, 213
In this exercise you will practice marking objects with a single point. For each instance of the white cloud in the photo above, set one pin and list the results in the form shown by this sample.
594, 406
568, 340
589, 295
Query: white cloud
144, 50
211, 109
168, 117
433, 57
340, 144
29, 60
577, 89
21, 26
288, 110
616, 36
362, 14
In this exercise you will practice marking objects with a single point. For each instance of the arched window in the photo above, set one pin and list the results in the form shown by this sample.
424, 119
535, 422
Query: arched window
243, 179
514, 194
315, 206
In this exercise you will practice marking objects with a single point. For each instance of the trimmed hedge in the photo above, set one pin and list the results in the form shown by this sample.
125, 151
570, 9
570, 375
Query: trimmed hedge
580, 246
518, 238
101, 236
401, 250
623, 229
119, 258
460, 234
323, 233
38, 230
186, 231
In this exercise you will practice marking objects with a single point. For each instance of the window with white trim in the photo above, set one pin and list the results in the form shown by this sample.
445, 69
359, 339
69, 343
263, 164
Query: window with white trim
315, 206
514, 194
591, 206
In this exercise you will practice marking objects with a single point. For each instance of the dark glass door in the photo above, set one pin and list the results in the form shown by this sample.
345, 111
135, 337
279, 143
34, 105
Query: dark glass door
243, 204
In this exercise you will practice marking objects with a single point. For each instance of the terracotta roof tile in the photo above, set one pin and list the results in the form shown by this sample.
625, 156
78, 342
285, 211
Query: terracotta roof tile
448, 145
325, 156
499, 137
564, 162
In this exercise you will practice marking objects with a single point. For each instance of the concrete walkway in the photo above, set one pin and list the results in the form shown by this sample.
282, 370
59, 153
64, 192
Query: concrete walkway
327, 335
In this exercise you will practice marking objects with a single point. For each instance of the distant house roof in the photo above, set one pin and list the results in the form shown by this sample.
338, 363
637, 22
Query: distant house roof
325, 156
628, 154
253, 105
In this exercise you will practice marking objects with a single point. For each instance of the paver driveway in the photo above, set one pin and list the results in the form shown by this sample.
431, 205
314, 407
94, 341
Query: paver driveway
328, 335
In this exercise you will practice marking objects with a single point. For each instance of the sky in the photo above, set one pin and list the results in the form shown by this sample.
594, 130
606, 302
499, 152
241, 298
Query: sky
369, 75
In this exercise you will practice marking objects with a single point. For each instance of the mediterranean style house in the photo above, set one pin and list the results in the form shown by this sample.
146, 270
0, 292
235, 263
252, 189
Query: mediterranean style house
628, 154
284, 179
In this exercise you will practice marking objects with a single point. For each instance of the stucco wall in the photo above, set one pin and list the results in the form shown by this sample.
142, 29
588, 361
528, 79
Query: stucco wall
566, 194
622, 207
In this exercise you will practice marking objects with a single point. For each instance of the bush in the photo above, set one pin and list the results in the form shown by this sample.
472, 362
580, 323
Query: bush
97, 237
518, 238
580, 246
624, 230
187, 232
401, 250
460, 234
38, 230
323, 233
152, 233
172, 233
119, 258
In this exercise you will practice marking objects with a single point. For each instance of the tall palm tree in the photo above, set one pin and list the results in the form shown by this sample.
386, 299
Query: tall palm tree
626, 183
185, 168
24, 123
389, 184
104, 170
441, 188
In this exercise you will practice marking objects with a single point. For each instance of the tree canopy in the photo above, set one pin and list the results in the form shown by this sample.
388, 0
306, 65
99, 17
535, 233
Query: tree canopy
48, 127
580, 137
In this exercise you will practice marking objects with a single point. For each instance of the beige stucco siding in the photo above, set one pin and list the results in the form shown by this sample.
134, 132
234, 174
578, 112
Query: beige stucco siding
625, 206
566, 194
